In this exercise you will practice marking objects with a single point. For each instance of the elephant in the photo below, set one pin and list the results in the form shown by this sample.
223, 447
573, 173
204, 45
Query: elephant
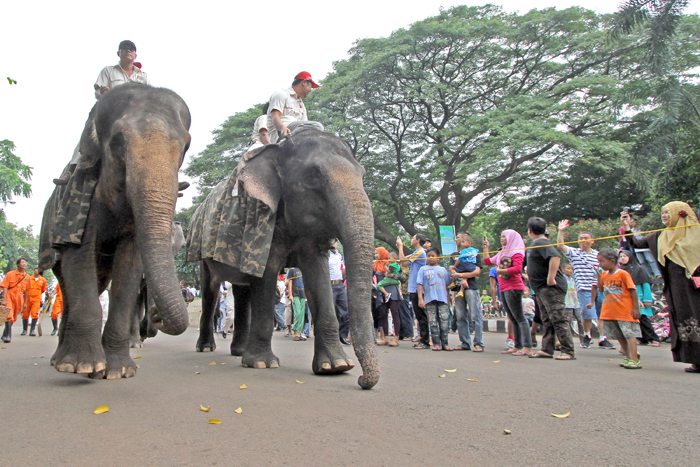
113, 221
313, 186
141, 325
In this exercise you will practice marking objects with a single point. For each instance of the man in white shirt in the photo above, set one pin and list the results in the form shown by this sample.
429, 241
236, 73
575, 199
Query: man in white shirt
126, 71
287, 106
336, 267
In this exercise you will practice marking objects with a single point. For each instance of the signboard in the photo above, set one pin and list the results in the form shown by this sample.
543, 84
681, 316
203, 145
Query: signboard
447, 239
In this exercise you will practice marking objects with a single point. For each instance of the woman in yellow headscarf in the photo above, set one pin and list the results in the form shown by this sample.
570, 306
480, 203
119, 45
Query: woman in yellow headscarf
677, 251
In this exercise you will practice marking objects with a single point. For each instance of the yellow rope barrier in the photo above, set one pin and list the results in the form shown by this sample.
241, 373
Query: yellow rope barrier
562, 243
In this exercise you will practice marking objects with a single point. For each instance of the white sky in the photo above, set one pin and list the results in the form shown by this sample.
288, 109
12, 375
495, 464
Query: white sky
221, 57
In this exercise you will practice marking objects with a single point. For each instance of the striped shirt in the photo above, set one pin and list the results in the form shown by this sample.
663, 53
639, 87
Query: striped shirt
417, 261
585, 267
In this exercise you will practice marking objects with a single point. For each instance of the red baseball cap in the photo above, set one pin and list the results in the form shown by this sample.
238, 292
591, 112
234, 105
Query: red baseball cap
305, 75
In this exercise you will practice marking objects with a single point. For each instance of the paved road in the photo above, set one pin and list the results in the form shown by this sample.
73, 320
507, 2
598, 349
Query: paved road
413, 417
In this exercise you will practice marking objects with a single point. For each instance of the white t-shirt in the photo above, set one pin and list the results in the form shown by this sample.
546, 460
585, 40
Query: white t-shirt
335, 265
260, 123
282, 287
290, 105
114, 75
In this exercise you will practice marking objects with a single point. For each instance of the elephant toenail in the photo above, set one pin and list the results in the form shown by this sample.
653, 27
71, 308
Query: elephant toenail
325, 366
275, 365
260, 365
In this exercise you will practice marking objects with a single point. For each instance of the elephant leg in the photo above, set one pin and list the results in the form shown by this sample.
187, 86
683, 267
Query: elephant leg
210, 295
79, 349
258, 352
329, 356
135, 340
127, 271
146, 327
241, 319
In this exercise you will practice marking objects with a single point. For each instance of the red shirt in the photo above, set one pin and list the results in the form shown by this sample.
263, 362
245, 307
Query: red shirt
515, 281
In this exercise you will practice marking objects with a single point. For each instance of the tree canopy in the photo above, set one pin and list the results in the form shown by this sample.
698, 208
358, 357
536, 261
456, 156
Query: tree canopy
14, 175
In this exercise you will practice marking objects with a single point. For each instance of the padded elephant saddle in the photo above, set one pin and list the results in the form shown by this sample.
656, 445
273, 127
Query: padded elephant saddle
65, 215
233, 229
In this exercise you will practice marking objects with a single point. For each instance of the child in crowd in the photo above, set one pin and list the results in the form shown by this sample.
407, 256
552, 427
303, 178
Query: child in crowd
629, 263
465, 263
432, 295
393, 269
620, 313
573, 306
528, 306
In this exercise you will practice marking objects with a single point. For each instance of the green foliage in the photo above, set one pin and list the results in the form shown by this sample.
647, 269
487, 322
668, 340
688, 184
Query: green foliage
186, 272
219, 158
11, 81
14, 175
458, 113
15, 243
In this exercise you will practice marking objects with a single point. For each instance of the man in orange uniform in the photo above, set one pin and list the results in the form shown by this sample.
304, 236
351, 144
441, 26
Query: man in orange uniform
37, 287
14, 287
57, 309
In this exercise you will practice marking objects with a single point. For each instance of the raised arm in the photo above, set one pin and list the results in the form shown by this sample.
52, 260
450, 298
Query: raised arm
563, 225
629, 236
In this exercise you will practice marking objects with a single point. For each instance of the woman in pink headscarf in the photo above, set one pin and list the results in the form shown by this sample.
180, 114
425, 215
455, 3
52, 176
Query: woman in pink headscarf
509, 263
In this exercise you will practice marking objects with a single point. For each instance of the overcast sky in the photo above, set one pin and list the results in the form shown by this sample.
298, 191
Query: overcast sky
221, 57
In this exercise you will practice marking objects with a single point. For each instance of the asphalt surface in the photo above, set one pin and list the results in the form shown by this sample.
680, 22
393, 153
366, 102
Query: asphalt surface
412, 417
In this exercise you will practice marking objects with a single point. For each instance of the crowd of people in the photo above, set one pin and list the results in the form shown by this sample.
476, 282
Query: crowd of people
537, 290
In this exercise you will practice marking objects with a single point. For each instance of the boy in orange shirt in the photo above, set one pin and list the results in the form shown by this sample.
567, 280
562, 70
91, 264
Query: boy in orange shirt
620, 313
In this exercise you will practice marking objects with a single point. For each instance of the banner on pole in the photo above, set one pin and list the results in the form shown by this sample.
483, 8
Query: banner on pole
447, 239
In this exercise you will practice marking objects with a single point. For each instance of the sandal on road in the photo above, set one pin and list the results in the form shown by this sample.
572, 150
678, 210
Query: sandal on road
511, 351
478, 348
297, 338
462, 347
520, 353
437, 348
421, 346
655, 344
692, 369
447, 348
540, 354
565, 356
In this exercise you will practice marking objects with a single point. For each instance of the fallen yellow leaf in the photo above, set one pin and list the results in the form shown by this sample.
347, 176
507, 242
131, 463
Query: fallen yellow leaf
136, 358
386, 351
214, 421
4, 348
564, 415
301, 382
244, 387
441, 376
204, 409
212, 363
496, 361
197, 373
223, 363
506, 432
451, 371
473, 380
239, 410
610, 359
101, 409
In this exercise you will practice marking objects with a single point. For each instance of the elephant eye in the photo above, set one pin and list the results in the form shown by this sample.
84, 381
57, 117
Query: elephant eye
313, 179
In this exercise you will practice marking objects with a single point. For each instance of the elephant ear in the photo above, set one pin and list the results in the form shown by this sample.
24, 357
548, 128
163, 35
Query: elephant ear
90, 147
260, 176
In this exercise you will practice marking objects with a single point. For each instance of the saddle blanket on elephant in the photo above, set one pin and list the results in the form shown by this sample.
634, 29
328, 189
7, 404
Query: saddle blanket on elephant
232, 229
68, 209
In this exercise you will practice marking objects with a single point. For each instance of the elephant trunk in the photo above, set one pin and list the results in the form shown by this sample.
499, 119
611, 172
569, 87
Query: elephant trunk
152, 191
356, 234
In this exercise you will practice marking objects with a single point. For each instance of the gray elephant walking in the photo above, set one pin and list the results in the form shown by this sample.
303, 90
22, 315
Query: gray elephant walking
292, 199
113, 221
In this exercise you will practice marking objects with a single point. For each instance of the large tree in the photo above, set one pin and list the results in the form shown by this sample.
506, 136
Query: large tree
465, 109
14, 175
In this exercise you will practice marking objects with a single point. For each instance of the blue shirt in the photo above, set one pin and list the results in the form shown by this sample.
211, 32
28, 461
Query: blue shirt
494, 274
468, 255
417, 260
434, 281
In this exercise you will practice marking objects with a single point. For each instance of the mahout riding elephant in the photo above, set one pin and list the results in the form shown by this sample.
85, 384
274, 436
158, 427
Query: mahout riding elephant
113, 221
312, 185
141, 325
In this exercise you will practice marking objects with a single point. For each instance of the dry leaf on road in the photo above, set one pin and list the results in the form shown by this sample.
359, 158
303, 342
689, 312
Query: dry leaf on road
301, 382
563, 415
214, 421
244, 387
239, 410
204, 409
496, 361
451, 371
101, 409
473, 380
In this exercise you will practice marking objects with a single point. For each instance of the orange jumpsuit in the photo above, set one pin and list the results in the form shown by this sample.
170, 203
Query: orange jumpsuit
57, 307
16, 283
37, 286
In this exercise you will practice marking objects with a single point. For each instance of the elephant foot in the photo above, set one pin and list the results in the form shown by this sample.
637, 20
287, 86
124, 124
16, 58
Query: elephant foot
136, 344
83, 355
237, 349
263, 359
330, 359
206, 345
119, 366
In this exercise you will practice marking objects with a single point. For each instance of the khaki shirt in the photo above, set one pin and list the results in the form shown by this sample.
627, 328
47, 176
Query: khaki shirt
289, 105
114, 75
